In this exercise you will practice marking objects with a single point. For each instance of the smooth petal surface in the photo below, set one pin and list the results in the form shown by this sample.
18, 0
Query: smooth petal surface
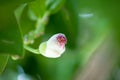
52, 47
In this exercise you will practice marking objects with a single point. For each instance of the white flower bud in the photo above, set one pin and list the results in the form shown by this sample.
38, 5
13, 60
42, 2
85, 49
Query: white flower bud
54, 47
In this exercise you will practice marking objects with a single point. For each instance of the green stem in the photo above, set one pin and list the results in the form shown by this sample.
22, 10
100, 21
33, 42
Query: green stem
43, 20
35, 51
40, 24
39, 30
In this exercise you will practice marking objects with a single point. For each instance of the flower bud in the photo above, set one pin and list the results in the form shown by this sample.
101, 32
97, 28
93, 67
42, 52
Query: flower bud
54, 47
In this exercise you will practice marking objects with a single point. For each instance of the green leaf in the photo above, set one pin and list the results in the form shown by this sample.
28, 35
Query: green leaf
18, 11
54, 5
3, 62
6, 2
10, 36
38, 8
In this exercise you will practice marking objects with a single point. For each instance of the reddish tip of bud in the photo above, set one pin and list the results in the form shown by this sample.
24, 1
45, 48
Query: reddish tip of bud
62, 39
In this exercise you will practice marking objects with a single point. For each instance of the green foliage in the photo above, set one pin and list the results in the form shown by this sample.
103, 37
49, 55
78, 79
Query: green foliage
30, 22
54, 5
38, 8
3, 62
10, 36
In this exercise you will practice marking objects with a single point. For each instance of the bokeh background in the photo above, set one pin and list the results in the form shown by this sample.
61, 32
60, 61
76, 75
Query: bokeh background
92, 28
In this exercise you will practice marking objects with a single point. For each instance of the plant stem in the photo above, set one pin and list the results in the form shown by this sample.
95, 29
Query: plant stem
35, 51
39, 30
40, 24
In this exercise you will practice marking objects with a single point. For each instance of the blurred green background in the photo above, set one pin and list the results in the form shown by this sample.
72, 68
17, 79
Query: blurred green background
91, 27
